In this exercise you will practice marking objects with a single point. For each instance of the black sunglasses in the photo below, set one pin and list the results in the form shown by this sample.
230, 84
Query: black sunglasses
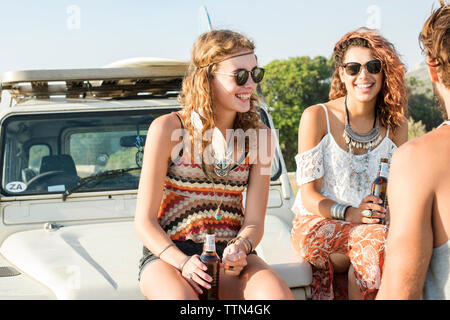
241, 76
353, 68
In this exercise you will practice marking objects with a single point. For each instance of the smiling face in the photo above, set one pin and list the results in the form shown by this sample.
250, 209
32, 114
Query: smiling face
228, 96
364, 86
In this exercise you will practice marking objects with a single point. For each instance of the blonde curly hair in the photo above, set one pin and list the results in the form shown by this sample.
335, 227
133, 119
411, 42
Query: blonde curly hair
197, 95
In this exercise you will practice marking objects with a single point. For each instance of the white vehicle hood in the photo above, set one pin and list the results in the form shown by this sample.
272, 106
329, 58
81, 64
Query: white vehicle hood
95, 261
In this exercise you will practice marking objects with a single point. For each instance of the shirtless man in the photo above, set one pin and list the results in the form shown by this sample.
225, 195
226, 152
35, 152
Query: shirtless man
418, 247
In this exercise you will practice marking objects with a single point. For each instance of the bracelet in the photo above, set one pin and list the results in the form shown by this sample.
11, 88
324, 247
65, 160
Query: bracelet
251, 244
338, 211
165, 248
183, 263
246, 242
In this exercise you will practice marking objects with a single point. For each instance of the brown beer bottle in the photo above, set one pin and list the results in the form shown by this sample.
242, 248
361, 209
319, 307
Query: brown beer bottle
211, 260
379, 186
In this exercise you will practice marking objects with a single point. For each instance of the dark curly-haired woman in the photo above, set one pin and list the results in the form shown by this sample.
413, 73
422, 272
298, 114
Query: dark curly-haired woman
340, 144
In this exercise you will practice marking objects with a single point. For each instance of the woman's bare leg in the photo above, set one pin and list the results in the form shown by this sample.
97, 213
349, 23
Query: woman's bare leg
159, 280
258, 281
354, 293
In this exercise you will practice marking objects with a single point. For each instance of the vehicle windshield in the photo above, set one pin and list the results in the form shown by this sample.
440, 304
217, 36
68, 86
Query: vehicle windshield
58, 153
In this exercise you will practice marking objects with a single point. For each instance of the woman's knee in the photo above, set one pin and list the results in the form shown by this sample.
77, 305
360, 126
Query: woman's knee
264, 283
160, 281
340, 262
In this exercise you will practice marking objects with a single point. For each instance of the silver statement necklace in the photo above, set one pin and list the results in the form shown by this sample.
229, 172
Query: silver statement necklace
360, 178
361, 140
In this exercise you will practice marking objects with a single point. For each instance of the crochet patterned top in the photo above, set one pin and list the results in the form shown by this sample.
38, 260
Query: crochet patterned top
341, 182
189, 201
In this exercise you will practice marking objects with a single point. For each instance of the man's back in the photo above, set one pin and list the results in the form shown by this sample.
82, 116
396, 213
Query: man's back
438, 143
419, 201
418, 248
437, 284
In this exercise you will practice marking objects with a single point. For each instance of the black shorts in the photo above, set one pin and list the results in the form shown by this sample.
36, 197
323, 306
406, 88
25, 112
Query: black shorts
188, 247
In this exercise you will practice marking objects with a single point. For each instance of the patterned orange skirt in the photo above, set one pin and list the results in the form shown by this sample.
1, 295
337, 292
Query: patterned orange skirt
315, 238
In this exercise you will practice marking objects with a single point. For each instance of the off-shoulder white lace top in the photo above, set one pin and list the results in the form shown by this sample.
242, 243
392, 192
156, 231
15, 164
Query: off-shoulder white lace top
329, 161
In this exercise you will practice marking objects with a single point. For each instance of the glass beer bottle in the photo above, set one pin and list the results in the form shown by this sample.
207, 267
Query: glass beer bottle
379, 186
211, 260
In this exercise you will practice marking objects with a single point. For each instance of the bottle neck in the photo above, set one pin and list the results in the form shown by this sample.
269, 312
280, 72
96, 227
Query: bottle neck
384, 170
210, 243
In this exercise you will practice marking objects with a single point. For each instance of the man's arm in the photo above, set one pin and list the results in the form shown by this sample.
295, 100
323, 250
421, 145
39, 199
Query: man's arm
410, 239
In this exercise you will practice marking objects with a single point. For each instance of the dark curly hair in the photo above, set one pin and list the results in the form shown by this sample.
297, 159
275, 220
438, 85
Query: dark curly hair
392, 99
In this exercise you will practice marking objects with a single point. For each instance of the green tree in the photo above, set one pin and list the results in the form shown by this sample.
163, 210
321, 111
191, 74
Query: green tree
415, 129
290, 86
421, 103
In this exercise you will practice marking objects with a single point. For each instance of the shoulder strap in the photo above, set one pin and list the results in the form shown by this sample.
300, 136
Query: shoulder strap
444, 123
243, 159
180, 154
326, 115
181, 120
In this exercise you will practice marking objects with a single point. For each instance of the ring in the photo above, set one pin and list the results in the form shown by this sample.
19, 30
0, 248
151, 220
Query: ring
229, 267
367, 213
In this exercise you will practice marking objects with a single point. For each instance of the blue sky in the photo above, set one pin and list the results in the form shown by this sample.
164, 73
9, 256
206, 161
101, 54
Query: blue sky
81, 34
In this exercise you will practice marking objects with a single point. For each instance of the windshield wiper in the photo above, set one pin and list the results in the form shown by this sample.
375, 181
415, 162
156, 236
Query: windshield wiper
104, 175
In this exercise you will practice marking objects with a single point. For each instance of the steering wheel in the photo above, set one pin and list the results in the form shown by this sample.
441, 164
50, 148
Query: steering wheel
43, 180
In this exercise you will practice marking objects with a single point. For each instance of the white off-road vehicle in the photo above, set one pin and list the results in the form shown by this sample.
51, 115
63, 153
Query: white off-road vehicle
71, 150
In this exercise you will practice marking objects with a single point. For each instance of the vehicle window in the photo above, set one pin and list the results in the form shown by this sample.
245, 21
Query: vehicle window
73, 147
94, 152
35, 155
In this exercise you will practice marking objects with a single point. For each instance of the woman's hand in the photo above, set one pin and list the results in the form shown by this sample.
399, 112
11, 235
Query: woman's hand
369, 211
194, 272
234, 259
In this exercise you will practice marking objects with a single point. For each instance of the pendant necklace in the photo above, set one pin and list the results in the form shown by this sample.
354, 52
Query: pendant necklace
360, 178
223, 165
218, 214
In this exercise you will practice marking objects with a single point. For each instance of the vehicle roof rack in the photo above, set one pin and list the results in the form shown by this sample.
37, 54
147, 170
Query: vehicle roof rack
111, 82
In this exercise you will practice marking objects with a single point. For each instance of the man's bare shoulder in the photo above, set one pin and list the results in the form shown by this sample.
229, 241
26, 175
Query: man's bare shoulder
427, 152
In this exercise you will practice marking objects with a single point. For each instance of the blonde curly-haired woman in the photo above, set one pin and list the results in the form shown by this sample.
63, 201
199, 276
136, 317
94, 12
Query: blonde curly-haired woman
179, 197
